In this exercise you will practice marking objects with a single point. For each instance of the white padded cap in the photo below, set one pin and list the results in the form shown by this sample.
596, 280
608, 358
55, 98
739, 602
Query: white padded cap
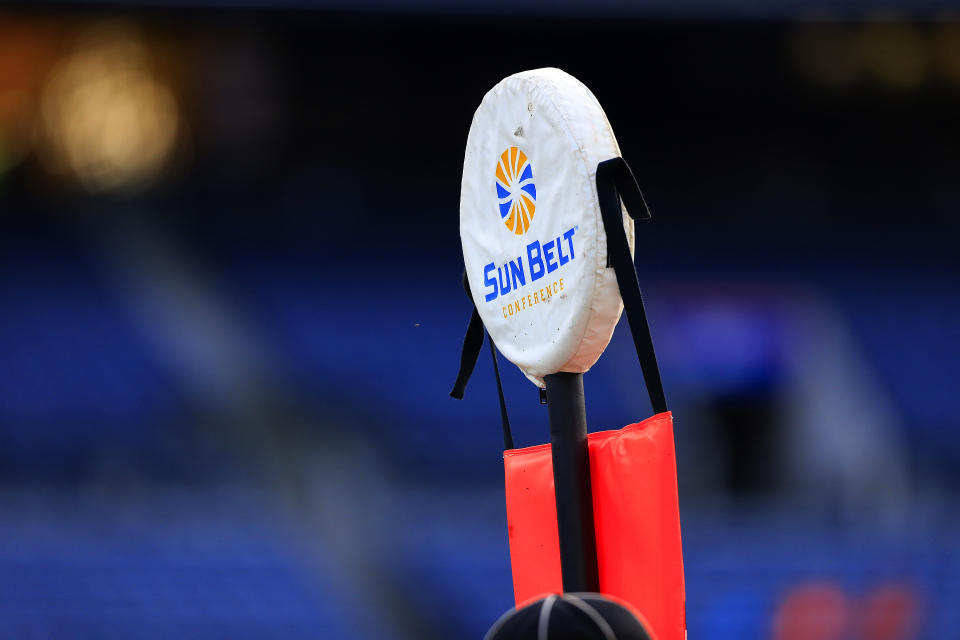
533, 239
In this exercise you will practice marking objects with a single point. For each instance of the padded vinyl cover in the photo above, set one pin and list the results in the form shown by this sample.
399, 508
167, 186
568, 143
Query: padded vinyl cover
636, 516
530, 220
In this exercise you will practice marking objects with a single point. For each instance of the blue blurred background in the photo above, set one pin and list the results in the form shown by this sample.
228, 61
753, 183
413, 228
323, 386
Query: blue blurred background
230, 313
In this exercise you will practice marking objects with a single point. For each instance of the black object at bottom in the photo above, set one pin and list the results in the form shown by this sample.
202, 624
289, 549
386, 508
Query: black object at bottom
571, 477
572, 616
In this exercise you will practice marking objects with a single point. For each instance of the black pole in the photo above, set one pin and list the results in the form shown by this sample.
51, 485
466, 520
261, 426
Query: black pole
571, 478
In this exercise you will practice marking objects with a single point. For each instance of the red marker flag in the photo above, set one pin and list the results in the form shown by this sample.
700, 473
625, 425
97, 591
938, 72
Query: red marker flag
633, 479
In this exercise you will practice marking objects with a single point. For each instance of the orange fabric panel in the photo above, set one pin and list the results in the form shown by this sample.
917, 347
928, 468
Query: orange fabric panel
636, 517
633, 473
532, 522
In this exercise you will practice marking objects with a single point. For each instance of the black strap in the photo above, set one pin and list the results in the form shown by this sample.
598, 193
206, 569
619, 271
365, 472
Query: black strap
504, 420
615, 181
472, 344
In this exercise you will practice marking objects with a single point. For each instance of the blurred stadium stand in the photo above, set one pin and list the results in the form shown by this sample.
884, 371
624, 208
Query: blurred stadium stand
225, 366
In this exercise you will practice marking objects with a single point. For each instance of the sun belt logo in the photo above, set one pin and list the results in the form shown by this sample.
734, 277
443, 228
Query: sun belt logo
517, 200
516, 193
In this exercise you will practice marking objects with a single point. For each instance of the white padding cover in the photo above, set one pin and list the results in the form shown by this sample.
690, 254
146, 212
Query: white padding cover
533, 241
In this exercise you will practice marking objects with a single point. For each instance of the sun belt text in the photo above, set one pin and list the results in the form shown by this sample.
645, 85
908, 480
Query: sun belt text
541, 259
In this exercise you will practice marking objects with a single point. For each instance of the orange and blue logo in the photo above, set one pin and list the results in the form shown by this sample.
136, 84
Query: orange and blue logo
516, 193
517, 201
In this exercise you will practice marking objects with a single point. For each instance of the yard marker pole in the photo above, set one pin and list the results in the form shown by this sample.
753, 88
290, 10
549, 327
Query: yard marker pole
571, 473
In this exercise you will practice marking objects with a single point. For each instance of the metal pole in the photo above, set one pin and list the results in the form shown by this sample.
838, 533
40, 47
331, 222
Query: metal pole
571, 478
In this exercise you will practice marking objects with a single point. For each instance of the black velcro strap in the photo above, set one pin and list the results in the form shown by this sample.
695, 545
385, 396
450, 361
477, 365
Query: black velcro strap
504, 420
472, 344
615, 180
